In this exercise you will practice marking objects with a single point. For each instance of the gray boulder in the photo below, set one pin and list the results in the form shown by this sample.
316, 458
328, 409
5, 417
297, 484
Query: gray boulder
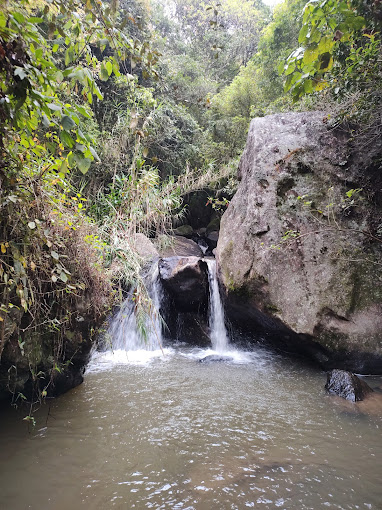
181, 247
347, 385
299, 253
186, 281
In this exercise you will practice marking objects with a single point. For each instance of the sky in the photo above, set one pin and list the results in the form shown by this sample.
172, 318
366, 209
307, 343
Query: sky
272, 2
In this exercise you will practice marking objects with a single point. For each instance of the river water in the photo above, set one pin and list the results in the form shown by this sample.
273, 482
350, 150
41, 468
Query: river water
160, 430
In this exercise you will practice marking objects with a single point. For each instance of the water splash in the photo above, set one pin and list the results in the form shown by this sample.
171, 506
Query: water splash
218, 332
124, 332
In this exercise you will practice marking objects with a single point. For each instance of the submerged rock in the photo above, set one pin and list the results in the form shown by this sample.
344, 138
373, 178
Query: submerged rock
347, 385
216, 358
294, 249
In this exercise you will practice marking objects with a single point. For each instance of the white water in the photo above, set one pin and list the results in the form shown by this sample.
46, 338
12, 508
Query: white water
218, 332
124, 332
128, 344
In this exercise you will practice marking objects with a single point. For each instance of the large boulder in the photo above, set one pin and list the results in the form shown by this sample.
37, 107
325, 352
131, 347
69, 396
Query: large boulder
185, 304
186, 281
144, 246
181, 247
347, 385
299, 247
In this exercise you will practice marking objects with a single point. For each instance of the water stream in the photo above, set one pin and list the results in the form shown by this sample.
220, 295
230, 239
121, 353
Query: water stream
218, 332
153, 429
168, 432
124, 335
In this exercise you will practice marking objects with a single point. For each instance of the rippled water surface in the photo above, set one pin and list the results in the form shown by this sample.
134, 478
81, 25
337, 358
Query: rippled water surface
147, 430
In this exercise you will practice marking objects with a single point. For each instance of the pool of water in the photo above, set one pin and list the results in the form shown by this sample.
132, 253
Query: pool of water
163, 431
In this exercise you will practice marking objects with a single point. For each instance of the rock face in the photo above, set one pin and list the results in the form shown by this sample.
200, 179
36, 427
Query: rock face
185, 306
347, 385
38, 352
186, 280
183, 247
144, 247
299, 247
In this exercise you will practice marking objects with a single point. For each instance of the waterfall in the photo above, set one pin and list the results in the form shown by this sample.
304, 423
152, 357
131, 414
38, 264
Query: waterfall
123, 329
218, 332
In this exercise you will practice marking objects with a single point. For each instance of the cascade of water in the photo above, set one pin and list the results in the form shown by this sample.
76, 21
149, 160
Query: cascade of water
123, 329
218, 332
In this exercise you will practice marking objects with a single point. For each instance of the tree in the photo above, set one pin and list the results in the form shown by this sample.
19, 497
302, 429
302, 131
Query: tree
49, 77
339, 43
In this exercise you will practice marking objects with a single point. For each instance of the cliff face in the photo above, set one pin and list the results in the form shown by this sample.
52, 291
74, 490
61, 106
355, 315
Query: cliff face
300, 244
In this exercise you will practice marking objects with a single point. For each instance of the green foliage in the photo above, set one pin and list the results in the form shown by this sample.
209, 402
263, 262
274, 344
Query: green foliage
256, 89
338, 48
40, 67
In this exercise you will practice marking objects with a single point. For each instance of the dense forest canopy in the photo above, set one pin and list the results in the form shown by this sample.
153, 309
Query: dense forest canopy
110, 112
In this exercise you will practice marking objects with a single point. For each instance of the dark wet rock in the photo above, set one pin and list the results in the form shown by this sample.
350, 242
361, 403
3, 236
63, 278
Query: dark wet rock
181, 247
188, 327
184, 231
37, 350
198, 209
216, 358
212, 239
186, 281
347, 385
320, 292
214, 225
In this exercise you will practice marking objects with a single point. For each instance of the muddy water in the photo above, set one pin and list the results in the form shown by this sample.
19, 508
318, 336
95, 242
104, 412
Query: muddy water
146, 431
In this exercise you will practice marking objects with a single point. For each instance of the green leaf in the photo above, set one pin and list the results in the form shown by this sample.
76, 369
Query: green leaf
45, 121
63, 277
308, 86
94, 154
66, 139
67, 123
303, 32
33, 19
18, 17
54, 255
82, 163
59, 77
83, 112
310, 55
104, 75
109, 67
54, 107
290, 69
19, 71
325, 45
